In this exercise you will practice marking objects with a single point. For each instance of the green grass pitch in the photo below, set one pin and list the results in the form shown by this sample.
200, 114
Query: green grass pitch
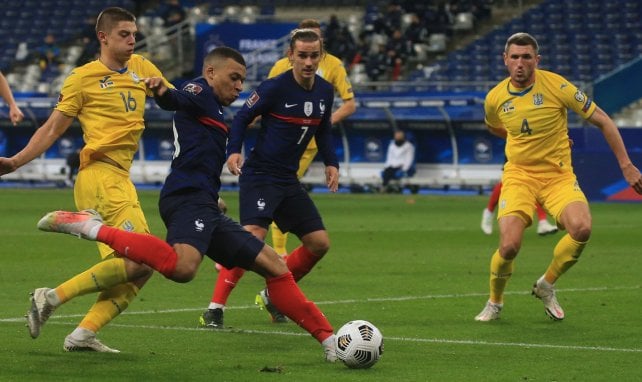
415, 266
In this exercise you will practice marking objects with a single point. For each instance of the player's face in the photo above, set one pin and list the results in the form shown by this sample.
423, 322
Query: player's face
521, 62
305, 60
226, 78
119, 42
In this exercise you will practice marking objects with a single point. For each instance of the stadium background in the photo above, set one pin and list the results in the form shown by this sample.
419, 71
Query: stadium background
436, 95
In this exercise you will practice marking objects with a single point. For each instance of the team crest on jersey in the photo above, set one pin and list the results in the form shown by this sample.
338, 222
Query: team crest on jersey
579, 96
322, 107
106, 82
260, 204
199, 225
134, 77
307, 108
127, 226
252, 99
538, 99
508, 106
193, 88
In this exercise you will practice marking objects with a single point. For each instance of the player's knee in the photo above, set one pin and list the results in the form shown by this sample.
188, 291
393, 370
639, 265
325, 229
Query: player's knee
136, 271
580, 232
184, 272
509, 250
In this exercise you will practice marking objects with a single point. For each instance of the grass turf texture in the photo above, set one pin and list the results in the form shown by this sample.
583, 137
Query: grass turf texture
415, 266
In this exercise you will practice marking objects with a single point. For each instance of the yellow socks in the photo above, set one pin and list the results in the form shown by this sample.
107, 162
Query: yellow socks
101, 276
110, 304
565, 255
500, 272
279, 240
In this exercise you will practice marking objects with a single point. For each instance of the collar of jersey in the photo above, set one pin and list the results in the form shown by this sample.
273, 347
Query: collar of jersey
521, 92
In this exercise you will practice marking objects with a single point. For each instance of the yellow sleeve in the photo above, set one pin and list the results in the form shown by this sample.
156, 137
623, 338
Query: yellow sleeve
574, 98
150, 70
70, 100
279, 67
338, 77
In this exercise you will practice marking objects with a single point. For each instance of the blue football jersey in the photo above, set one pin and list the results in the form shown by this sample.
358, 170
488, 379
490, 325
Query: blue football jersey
290, 117
200, 136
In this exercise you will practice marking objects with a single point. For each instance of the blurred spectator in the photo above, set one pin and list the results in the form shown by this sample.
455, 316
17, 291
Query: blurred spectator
73, 164
397, 49
338, 40
439, 19
88, 41
377, 64
48, 53
399, 159
416, 32
173, 13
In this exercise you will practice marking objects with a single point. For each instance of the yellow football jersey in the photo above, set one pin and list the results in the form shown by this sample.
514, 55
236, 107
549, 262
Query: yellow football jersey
110, 107
535, 119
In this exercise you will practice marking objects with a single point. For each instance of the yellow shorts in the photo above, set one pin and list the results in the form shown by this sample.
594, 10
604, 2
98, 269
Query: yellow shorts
110, 191
520, 191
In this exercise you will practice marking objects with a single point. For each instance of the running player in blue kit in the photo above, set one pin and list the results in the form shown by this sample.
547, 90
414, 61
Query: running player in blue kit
294, 107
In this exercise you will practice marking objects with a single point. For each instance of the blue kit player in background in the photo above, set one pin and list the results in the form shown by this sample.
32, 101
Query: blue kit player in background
188, 202
294, 107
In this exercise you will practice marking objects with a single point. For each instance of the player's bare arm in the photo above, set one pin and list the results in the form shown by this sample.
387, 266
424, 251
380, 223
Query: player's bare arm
344, 111
41, 140
612, 136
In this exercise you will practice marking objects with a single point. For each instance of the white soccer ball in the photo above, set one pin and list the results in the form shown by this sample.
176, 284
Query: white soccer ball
359, 344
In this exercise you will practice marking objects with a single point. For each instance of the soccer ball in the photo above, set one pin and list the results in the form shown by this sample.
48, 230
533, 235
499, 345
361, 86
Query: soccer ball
359, 344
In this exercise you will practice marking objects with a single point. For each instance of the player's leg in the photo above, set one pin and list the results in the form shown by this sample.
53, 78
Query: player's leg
568, 202
225, 282
489, 211
288, 298
513, 218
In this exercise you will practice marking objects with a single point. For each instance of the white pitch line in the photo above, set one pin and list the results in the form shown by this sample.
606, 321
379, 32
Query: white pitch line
350, 301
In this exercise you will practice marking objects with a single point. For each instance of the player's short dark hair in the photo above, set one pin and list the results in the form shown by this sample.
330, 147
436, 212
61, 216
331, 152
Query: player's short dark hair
522, 39
223, 52
109, 17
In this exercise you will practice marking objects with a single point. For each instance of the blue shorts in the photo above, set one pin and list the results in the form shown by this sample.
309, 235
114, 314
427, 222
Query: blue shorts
194, 218
288, 204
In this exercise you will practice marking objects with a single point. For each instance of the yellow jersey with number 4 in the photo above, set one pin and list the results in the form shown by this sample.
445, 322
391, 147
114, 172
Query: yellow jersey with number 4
109, 106
535, 119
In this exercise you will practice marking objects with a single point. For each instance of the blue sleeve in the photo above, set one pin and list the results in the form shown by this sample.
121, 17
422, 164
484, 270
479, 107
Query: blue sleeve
323, 137
255, 105
174, 99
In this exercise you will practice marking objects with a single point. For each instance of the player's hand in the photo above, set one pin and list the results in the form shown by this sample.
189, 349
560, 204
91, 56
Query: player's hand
221, 205
234, 163
7, 165
332, 178
15, 114
633, 177
156, 85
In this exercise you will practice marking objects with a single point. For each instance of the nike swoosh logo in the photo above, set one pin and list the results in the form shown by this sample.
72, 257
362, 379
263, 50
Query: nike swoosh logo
220, 112
287, 105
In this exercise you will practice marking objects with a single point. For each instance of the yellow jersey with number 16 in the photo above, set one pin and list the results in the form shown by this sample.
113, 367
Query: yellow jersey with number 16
109, 106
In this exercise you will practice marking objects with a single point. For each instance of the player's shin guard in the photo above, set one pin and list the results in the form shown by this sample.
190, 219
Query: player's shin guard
225, 283
110, 304
286, 296
102, 276
565, 255
141, 248
500, 272
279, 240
301, 261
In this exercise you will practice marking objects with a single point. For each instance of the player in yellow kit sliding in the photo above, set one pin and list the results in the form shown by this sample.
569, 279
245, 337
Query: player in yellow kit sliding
529, 109
108, 97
